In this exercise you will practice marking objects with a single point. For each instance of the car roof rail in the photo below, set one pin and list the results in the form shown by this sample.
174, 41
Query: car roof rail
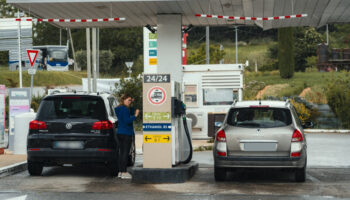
55, 92
103, 92
288, 101
234, 103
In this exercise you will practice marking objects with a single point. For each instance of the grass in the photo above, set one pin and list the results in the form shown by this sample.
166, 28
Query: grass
254, 52
41, 78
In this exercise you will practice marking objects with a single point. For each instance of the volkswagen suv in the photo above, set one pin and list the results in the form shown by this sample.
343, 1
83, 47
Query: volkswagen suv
74, 128
260, 134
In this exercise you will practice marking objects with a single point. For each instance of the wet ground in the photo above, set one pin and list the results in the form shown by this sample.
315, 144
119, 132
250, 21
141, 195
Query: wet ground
328, 177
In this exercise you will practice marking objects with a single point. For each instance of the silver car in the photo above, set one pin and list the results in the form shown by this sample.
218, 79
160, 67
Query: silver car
260, 134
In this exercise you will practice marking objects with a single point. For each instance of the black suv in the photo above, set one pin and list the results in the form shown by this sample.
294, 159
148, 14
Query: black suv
74, 128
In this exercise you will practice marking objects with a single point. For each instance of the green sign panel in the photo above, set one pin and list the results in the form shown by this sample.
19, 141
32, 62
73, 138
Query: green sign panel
152, 44
153, 36
157, 116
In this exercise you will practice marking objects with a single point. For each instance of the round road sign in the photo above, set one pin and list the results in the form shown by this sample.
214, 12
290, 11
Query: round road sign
156, 95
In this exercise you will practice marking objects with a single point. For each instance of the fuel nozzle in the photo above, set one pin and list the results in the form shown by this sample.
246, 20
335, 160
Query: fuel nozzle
184, 108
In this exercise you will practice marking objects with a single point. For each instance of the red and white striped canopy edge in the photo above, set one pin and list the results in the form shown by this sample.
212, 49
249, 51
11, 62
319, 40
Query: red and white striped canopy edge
72, 20
251, 18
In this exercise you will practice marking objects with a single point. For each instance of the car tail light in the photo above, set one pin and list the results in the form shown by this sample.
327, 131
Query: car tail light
261, 106
104, 150
37, 125
102, 125
34, 149
297, 136
295, 154
221, 149
221, 153
296, 144
221, 136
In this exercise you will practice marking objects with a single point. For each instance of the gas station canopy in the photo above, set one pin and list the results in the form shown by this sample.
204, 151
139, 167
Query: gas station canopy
142, 12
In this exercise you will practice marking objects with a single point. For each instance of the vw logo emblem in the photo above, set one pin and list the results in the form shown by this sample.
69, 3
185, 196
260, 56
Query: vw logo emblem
68, 126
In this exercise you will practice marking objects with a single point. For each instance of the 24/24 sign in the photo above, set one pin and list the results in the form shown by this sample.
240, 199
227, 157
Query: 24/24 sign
157, 78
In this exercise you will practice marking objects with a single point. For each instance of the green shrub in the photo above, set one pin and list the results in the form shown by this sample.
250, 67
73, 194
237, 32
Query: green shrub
270, 65
305, 112
286, 52
251, 89
311, 61
36, 100
198, 56
338, 97
80, 57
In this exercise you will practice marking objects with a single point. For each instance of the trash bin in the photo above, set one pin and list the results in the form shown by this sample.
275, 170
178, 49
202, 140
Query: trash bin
21, 132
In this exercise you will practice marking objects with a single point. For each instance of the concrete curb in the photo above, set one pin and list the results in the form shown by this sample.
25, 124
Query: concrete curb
13, 169
177, 174
326, 131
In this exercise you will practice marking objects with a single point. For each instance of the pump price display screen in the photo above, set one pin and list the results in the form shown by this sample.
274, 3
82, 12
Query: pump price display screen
156, 78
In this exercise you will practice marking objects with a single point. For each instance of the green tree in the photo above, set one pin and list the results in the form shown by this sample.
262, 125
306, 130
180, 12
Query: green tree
306, 41
137, 68
6, 10
132, 87
305, 45
286, 52
106, 58
198, 56
126, 44
47, 34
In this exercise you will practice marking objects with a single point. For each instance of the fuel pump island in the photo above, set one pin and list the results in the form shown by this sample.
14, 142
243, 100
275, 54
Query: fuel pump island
167, 147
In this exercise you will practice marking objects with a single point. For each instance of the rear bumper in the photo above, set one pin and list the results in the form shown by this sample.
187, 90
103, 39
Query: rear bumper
49, 156
260, 162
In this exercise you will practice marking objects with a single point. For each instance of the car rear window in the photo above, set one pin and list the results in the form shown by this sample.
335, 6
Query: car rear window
259, 117
61, 107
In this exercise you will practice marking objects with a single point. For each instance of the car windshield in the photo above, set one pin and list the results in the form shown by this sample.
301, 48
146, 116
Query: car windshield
61, 107
259, 117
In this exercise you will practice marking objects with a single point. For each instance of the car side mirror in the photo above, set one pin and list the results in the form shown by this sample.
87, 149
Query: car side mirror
308, 125
218, 124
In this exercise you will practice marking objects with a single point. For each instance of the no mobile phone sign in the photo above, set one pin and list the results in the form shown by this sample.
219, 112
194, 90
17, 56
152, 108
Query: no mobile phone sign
156, 95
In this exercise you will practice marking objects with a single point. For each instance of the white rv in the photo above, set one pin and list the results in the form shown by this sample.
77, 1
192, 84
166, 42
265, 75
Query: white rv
210, 89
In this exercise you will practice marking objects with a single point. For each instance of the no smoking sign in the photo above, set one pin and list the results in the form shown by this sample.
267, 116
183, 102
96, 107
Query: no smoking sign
156, 95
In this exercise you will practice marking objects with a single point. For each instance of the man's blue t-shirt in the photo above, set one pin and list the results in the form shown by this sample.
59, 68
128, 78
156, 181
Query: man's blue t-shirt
125, 120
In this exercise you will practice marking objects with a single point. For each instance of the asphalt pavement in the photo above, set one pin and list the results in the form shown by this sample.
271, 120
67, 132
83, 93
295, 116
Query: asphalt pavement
328, 177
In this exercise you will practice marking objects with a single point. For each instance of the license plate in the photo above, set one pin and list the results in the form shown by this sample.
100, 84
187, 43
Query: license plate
260, 146
68, 145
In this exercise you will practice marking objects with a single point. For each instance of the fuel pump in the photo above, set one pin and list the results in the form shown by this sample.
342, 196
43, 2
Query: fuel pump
167, 138
179, 111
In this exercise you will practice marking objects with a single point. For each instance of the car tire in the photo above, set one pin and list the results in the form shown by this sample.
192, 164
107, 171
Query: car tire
132, 155
35, 169
220, 174
300, 174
